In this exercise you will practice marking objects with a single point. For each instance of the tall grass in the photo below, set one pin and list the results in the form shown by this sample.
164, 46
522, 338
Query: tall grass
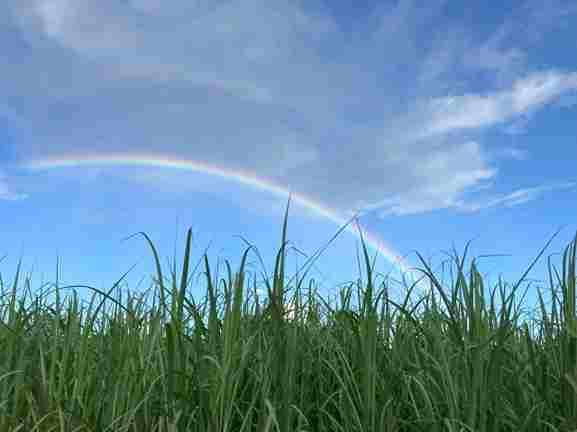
449, 362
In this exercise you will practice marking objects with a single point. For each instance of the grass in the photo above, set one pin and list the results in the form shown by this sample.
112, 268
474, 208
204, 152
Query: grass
449, 362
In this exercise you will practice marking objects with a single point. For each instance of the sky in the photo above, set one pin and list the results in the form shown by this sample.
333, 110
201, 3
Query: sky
435, 123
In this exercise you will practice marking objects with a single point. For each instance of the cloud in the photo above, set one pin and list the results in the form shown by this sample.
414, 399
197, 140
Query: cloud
520, 196
494, 54
380, 119
438, 183
473, 111
6, 194
55, 15
540, 88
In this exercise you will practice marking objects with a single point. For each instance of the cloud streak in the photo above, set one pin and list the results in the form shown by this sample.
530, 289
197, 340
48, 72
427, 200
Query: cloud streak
520, 196
473, 111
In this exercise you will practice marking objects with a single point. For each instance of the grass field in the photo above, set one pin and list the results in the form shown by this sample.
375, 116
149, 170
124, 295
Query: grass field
450, 361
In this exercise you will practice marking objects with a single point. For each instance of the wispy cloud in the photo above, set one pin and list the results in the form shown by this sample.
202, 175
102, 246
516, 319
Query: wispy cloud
496, 55
473, 111
520, 196
7, 194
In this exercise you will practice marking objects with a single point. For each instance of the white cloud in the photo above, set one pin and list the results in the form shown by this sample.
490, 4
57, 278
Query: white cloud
463, 112
436, 181
55, 15
540, 88
494, 55
472, 111
7, 194
514, 198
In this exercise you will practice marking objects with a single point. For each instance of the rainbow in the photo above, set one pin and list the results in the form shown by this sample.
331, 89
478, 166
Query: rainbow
238, 176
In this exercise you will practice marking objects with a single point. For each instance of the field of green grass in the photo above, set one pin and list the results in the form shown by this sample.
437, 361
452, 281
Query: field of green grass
450, 361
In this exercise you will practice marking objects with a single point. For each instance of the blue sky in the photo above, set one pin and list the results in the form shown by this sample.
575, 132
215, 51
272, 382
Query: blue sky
439, 123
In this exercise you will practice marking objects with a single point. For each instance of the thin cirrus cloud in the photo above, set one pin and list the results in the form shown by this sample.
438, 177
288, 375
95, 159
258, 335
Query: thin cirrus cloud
473, 111
520, 196
281, 89
9, 195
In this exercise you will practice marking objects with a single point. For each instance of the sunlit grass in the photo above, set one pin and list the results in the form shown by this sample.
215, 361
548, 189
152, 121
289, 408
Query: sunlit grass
451, 361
